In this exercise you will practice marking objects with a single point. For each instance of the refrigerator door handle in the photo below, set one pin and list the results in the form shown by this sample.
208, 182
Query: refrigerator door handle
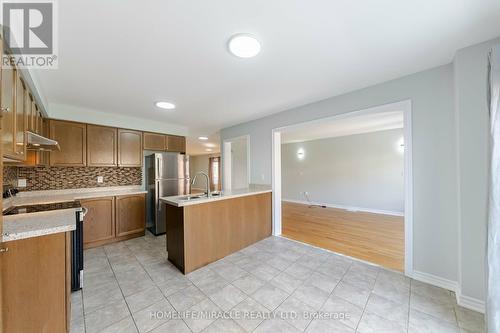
157, 171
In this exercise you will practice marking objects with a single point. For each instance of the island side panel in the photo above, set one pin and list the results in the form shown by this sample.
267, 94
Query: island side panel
216, 229
175, 235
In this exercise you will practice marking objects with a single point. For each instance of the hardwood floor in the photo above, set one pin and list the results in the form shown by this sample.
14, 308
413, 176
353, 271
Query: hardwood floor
375, 238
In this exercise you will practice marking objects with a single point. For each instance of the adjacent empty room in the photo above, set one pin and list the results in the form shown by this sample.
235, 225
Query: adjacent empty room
343, 186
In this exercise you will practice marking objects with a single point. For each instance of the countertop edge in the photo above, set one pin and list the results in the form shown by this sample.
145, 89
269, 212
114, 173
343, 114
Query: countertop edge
37, 233
176, 203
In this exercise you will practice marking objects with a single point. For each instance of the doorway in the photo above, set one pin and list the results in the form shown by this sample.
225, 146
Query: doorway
236, 163
329, 221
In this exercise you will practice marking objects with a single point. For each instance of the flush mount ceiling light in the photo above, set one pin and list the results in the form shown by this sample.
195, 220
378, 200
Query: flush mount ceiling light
165, 105
208, 149
203, 138
244, 46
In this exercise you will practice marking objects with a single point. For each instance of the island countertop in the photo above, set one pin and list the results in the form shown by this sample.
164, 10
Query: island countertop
178, 201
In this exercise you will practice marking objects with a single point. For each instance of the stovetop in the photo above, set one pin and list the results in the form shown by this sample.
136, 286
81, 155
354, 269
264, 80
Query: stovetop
41, 208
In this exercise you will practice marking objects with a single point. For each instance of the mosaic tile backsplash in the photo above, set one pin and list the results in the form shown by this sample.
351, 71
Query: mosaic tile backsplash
61, 178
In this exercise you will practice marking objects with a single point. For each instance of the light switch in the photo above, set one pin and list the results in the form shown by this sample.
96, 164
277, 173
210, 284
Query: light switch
21, 183
100, 179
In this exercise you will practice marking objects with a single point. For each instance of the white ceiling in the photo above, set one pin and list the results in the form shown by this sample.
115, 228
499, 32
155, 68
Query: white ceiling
194, 146
345, 126
121, 56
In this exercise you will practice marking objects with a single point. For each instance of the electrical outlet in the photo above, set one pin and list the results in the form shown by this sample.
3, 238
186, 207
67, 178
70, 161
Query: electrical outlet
21, 183
100, 179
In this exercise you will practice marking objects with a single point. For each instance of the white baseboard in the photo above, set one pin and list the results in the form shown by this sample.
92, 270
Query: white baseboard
435, 280
471, 303
349, 208
462, 300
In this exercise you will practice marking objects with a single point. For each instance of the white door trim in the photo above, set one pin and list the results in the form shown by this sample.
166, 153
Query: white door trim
404, 106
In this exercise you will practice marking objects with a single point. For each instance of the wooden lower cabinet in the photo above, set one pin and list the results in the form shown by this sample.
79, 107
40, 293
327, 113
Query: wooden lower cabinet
36, 283
200, 234
112, 219
99, 222
130, 214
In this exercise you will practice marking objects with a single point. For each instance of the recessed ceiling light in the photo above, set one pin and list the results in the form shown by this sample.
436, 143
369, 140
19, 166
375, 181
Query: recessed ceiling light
204, 138
244, 46
210, 145
165, 105
208, 149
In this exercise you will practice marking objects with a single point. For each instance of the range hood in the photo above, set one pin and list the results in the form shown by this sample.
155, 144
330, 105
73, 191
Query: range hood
38, 142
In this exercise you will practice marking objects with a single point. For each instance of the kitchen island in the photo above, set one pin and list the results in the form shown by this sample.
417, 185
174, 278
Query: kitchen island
202, 230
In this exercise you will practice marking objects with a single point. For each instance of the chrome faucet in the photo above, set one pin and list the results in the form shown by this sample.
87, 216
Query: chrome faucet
206, 177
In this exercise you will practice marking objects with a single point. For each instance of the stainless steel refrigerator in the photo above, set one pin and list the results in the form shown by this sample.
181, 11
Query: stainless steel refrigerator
166, 174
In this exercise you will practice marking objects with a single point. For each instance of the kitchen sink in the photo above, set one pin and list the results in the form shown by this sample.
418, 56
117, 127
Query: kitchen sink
192, 197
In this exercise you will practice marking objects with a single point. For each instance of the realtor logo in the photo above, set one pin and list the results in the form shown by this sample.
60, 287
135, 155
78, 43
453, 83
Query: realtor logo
29, 33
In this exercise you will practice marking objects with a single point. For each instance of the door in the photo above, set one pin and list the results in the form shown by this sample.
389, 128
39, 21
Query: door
99, 222
101, 146
166, 188
172, 166
129, 148
72, 138
130, 214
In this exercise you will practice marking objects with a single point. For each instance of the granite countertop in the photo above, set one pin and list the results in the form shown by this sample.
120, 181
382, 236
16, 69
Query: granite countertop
29, 225
226, 194
41, 197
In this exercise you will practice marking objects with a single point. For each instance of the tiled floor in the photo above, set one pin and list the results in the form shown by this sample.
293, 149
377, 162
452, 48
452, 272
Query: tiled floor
276, 285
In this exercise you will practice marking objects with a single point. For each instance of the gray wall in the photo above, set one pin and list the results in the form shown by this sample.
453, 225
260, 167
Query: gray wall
434, 156
364, 171
472, 136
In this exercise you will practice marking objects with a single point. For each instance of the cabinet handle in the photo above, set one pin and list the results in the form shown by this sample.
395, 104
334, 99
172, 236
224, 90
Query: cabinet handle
7, 109
5, 249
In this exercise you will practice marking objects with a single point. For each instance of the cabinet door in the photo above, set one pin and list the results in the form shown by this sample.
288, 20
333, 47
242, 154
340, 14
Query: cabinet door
27, 109
176, 143
20, 138
99, 222
101, 146
34, 281
8, 112
153, 141
72, 138
130, 214
39, 123
129, 148
34, 113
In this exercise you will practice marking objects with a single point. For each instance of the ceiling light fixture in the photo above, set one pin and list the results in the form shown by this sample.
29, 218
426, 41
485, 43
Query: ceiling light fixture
203, 138
208, 149
165, 105
244, 46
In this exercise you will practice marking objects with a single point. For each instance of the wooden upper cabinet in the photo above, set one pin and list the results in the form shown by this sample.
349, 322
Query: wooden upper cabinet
176, 143
130, 214
21, 118
129, 148
27, 109
99, 222
102, 146
39, 123
72, 138
8, 112
154, 141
